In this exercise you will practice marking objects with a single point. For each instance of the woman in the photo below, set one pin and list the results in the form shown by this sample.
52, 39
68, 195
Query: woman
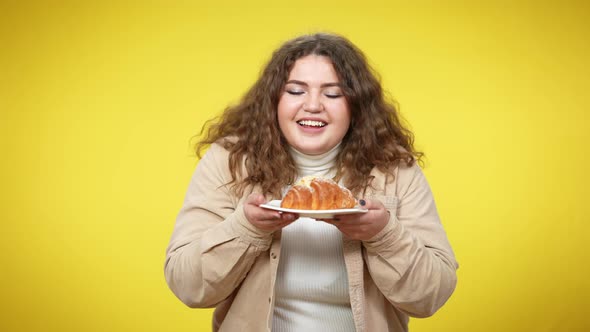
317, 109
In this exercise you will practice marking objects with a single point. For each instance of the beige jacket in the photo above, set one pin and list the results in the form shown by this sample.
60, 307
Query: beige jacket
216, 258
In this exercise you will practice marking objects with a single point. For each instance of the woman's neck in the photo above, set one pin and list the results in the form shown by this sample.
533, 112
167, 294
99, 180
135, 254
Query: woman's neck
320, 165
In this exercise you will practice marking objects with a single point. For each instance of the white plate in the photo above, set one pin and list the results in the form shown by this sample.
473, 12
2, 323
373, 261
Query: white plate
316, 214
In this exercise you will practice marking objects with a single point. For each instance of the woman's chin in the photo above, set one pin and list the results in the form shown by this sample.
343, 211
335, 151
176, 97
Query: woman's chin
312, 150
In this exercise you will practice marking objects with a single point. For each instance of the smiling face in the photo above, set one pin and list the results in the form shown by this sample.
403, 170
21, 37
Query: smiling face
313, 113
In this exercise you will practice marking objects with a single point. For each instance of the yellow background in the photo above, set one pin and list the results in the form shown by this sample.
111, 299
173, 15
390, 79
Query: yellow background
99, 101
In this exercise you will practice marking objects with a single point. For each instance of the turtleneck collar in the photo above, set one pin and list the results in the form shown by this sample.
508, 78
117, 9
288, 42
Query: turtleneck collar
320, 165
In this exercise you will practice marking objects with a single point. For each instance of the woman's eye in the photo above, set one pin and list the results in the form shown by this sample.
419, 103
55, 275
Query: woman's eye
333, 95
295, 92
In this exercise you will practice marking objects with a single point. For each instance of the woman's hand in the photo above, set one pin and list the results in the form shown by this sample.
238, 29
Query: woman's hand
362, 226
265, 219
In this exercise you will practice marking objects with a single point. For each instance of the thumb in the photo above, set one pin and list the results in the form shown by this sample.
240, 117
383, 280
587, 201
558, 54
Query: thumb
255, 199
369, 204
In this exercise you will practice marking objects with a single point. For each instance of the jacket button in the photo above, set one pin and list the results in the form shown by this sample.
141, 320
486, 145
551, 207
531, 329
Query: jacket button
273, 255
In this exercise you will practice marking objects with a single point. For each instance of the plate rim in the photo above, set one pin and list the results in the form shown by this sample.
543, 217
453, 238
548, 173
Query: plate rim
272, 205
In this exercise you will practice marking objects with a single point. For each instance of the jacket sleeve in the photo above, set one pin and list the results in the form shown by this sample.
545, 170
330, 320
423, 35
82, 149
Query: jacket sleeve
213, 246
411, 260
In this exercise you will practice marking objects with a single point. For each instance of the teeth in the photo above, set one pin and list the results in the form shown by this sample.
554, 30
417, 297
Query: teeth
312, 123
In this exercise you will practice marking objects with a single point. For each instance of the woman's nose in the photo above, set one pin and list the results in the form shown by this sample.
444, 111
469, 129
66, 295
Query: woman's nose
313, 103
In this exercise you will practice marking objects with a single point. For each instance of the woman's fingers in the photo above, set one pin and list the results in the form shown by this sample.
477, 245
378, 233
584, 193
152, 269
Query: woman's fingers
362, 226
265, 219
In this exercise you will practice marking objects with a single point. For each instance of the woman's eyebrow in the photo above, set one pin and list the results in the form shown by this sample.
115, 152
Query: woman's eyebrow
324, 85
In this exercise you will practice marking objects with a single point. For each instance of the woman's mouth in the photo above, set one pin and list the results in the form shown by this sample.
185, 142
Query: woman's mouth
311, 123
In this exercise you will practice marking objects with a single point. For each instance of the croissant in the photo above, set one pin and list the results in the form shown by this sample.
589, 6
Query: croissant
314, 193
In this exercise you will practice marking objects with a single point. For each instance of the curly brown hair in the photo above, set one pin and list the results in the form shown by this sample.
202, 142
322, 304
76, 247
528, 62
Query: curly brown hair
251, 134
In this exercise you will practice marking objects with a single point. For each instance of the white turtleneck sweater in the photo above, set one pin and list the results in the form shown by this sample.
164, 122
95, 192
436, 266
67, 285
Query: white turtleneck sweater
312, 285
